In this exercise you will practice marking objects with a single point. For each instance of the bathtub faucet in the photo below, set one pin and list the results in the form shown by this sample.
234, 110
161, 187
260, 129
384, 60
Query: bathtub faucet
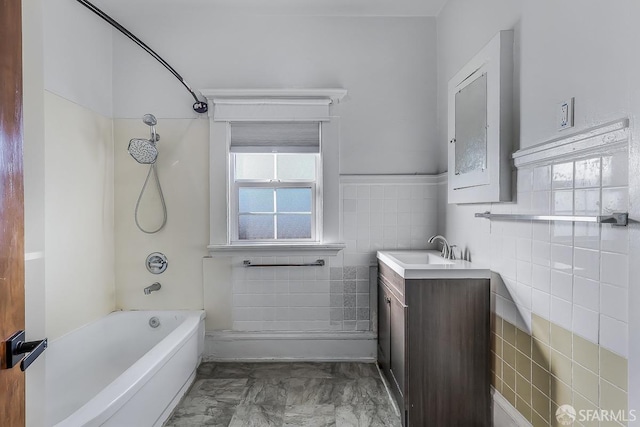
155, 287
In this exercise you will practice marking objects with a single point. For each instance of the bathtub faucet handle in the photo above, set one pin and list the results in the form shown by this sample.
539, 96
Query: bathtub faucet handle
157, 263
154, 287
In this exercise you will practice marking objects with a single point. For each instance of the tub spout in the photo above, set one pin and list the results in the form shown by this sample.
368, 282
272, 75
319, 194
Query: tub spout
155, 287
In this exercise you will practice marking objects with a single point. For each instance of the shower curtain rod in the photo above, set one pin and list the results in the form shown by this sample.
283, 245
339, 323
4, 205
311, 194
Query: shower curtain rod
198, 106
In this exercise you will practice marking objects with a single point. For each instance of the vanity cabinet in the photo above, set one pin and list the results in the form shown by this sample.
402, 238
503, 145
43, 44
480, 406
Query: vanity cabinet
434, 348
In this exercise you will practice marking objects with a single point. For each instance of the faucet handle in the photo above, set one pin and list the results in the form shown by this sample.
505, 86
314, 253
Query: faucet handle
452, 254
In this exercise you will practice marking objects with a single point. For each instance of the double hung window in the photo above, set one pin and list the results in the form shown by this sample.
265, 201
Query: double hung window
275, 186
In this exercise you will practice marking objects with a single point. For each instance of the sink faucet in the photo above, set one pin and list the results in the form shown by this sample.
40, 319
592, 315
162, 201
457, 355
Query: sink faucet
155, 287
447, 252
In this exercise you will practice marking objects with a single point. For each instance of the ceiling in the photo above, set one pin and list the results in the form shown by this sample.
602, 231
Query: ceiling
288, 7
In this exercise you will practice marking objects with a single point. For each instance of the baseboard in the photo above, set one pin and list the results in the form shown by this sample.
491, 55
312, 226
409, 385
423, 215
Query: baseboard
290, 346
504, 414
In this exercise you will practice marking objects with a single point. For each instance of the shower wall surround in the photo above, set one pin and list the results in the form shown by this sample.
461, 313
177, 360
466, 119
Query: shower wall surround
79, 223
182, 166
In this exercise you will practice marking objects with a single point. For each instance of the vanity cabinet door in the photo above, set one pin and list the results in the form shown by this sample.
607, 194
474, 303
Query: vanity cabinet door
391, 342
449, 353
384, 329
397, 365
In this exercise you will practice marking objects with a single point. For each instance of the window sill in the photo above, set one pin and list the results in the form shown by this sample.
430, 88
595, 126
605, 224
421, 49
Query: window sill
281, 249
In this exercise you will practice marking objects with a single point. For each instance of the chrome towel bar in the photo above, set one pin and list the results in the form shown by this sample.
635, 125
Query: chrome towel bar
616, 218
318, 263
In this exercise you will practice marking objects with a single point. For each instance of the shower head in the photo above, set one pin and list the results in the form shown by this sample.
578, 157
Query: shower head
143, 151
149, 120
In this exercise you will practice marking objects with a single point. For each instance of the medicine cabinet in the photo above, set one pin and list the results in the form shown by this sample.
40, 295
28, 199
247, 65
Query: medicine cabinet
480, 128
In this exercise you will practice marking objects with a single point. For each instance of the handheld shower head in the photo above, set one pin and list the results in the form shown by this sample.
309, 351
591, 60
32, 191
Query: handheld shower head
143, 151
149, 120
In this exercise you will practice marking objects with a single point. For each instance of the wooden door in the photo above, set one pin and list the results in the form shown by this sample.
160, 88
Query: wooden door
12, 389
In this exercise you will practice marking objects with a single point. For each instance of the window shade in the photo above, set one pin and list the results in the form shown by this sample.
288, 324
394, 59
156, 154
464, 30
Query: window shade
253, 137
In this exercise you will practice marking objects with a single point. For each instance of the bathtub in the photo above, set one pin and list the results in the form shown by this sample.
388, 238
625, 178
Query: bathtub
120, 371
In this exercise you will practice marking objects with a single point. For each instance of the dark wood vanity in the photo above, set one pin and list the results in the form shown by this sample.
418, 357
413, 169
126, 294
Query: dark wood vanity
434, 349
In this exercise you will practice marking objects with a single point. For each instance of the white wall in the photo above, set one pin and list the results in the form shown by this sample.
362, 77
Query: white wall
633, 86
572, 48
79, 230
33, 160
463, 28
78, 55
387, 64
592, 58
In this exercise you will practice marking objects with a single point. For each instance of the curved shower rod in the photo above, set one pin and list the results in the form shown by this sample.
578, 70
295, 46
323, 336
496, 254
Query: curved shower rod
198, 106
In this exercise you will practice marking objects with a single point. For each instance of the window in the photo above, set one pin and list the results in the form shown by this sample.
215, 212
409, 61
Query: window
275, 191
287, 126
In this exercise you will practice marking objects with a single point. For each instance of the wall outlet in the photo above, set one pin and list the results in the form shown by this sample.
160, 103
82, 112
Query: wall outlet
565, 114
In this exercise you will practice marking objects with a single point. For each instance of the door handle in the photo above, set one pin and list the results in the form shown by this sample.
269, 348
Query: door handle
16, 347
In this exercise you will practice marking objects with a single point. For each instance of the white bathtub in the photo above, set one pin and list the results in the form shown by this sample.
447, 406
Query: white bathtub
119, 371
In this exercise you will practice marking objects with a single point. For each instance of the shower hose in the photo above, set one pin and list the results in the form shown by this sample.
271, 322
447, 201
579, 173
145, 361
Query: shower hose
154, 171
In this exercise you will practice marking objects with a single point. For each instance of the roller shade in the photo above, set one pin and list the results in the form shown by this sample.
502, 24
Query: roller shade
270, 137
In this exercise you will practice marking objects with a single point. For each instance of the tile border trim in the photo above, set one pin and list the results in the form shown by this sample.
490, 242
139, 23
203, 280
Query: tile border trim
592, 140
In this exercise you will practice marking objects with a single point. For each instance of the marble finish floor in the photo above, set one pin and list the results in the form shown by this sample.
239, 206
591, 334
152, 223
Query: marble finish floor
286, 395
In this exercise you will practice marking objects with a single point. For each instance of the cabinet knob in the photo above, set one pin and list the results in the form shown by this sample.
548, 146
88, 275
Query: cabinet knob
388, 300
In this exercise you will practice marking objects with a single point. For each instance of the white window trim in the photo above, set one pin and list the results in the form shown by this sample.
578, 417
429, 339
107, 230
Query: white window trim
277, 107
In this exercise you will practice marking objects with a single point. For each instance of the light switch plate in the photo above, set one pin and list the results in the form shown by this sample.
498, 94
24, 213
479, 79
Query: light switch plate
565, 114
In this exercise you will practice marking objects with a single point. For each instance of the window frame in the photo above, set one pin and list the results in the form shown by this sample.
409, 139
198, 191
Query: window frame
234, 186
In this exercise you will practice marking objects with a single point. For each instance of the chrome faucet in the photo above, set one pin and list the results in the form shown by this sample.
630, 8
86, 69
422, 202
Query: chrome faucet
447, 251
155, 287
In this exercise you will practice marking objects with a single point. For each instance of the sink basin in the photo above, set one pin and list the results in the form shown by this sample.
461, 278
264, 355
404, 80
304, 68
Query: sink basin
418, 257
431, 265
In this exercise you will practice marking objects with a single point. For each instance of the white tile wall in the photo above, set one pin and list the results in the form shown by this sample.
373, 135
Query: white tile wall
574, 274
615, 269
586, 293
585, 323
587, 263
390, 215
613, 302
378, 213
614, 335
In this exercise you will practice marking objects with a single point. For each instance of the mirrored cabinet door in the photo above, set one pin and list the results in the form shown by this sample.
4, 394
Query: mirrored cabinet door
470, 143
480, 128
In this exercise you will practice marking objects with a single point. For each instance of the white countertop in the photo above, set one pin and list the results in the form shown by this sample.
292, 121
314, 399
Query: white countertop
430, 265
